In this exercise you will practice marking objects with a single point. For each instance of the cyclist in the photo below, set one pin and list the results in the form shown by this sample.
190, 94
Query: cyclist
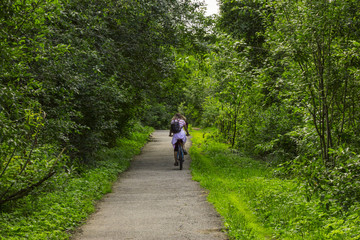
181, 135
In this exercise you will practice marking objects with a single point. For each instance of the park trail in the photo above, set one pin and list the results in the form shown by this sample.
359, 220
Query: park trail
154, 200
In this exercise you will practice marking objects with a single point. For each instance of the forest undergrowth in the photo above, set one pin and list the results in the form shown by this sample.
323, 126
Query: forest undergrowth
64, 202
256, 204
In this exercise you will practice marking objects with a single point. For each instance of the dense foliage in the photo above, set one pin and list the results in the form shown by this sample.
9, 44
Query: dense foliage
55, 209
257, 205
281, 82
76, 75
278, 79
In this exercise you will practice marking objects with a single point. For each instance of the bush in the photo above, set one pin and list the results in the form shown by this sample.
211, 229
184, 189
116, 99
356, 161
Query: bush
64, 202
257, 205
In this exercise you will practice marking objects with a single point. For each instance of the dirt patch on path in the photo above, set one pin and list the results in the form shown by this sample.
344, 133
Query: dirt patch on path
154, 200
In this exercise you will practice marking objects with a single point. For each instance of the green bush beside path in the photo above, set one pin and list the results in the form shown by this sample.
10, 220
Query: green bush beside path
255, 204
61, 205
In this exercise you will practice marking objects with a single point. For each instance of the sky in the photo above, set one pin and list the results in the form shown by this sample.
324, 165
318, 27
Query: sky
212, 7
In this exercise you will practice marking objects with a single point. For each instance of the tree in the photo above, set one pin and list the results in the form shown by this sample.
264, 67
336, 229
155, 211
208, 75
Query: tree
76, 75
312, 36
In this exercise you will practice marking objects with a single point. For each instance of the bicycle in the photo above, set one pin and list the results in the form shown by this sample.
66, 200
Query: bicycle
180, 153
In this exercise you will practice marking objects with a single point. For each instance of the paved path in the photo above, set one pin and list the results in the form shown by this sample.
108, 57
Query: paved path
154, 200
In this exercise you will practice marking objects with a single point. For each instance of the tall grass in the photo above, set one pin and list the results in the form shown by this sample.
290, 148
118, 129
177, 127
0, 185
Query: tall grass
68, 199
257, 205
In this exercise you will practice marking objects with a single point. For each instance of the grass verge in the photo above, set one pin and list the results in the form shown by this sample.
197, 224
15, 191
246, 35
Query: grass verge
256, 205
70, 197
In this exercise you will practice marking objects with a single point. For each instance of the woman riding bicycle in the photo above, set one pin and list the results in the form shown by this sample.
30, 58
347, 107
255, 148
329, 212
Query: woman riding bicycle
180, 121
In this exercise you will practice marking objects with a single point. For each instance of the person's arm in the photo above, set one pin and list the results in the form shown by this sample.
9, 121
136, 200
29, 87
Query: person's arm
186, 128
187, 131
170, 132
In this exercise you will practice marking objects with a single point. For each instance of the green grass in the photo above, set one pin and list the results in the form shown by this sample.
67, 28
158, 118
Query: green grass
256, 205
69, 198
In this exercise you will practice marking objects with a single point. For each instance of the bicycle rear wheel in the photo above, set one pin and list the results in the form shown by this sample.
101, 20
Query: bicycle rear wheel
180, 156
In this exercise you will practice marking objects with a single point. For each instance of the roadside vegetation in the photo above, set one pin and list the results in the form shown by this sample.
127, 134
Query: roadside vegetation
55, 209
256, 203
74, 77
278, 80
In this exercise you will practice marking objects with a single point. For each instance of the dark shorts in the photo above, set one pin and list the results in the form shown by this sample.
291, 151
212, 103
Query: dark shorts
176, 145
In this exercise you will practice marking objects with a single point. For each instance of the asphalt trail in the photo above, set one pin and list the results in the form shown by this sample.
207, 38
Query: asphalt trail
154, 200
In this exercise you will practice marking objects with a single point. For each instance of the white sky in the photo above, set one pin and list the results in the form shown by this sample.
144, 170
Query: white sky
212, 7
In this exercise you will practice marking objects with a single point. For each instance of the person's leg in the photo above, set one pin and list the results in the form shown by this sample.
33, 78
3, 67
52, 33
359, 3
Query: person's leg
183, 147
175, 157
183, 142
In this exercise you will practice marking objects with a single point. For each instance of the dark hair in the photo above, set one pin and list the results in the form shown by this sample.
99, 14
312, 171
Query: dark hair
179, 116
